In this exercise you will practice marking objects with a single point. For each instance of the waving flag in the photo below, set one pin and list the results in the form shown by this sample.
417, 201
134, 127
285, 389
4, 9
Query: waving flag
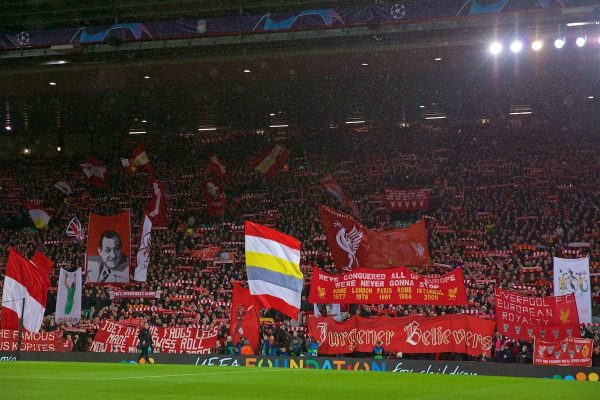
143, 255
216, 167
75, 230
271, 161
273, 269
39, 216
63, 187
138, 161
209, 253
329, 182
157, 208
215, 199
68, 299
95, 171
244, 317
353, 245
23, 282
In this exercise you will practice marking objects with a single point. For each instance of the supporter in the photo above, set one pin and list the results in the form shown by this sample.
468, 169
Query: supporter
296, 345
229, 346
145, 343
596, 356
240, 344
68, 343
508, 187
524, 356
246, 349
312, 347
378, 351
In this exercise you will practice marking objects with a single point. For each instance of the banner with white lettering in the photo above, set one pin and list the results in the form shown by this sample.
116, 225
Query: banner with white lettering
456, 333
407, 200
388, 286
546, 318
570, 352
31, 341
134, 294
573, 276
113, 337
68, 299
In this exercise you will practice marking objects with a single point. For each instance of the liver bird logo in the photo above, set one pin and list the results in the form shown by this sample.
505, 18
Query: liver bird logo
349, 242
564, 316
321, 292
452, 293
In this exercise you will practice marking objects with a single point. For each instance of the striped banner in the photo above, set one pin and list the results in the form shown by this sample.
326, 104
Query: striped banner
273, 268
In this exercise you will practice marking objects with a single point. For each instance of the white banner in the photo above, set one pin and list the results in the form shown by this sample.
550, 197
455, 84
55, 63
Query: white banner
143, 254
573, 276
68, 301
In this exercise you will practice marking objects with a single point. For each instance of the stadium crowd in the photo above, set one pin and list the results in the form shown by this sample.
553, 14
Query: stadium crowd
504, 202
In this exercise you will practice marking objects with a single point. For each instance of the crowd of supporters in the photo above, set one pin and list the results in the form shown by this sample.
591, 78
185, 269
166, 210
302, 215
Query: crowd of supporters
504, 202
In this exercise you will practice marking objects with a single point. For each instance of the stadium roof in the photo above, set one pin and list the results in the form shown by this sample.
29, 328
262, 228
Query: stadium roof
314, 78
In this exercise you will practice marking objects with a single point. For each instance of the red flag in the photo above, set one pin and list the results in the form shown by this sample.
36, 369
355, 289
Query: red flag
24, 282
215, 199
352, 245
206, 254
42, 262
95, 171
244, 317
271, 161
336, 190
216, 167
157, 207
549, 318
407, 246
346, 237
138, 161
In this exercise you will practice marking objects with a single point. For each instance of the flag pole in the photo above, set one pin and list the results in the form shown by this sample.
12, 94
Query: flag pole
20, 337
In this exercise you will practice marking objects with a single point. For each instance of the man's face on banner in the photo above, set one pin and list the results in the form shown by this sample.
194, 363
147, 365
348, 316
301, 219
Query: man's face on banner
110, 251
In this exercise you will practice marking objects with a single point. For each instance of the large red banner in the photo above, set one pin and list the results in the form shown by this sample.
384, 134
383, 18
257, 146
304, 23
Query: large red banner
108, 248
389, 286
457, 333
407, 200
546, 318
571, 352
353, 246
35, 341
244, 317
113, 337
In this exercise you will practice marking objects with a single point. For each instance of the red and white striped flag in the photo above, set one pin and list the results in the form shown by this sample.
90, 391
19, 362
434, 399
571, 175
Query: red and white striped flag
271, 161
95, 171
24, 282
216, 167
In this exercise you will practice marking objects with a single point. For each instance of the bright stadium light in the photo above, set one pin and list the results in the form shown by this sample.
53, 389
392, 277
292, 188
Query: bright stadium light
537, 45
559, 43
516, 46
495, 48
580, 41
